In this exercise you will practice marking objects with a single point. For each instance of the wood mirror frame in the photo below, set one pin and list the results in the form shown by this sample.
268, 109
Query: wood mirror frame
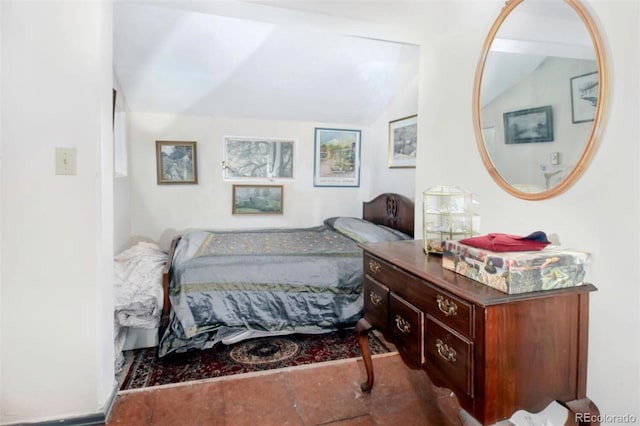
598, 122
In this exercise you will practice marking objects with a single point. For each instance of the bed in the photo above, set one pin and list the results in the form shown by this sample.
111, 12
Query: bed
230, 285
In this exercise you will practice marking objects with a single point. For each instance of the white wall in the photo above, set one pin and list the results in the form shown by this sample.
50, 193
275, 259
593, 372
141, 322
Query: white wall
121, 185
384, 179
1, 208
600, 213
121, 213
548, 85
56, 309
161, 211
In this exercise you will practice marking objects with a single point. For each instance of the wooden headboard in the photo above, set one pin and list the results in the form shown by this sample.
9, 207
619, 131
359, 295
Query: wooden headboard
393, 210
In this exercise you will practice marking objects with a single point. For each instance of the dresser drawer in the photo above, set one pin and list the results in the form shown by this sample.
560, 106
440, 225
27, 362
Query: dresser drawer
376, 303
450, 310
451, 354
386, 274
406, 326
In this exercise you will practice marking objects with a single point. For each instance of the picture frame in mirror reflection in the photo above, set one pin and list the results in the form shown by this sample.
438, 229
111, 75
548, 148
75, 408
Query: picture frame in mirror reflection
403, 142
584, 97
176, 162
528, 125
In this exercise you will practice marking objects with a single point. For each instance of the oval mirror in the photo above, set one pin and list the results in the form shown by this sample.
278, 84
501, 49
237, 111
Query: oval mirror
539, 96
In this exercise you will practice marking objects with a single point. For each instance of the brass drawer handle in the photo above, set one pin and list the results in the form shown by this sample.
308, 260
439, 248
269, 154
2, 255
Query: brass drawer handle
403, 325
374, 266
375, 298
447, 307
447, 353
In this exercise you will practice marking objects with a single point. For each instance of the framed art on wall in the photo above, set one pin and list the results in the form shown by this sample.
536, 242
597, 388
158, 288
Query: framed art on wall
176, 162
337, 157
528, 125
257, 199
584, 97
256, 158
403, 142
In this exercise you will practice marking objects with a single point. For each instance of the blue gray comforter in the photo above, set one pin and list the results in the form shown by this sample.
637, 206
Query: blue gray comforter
273, 280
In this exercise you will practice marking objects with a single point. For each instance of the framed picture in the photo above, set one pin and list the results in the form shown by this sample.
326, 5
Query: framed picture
257, 199
584, 97
528, 125
258, 158
176, 162
337, 157
403, 142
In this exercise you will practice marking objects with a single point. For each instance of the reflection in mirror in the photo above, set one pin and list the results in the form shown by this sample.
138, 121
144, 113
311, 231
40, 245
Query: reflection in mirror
539, 96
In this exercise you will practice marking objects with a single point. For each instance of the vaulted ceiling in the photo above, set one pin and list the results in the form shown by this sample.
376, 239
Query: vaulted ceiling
293, 60
183, 60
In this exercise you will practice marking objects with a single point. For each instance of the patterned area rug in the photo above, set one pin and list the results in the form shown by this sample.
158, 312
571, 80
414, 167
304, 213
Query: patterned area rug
267, 353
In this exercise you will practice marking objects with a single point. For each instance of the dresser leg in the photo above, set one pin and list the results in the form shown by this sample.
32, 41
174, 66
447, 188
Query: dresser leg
584, 412
362, 328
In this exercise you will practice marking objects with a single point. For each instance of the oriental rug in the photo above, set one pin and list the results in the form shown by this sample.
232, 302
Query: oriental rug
266, 353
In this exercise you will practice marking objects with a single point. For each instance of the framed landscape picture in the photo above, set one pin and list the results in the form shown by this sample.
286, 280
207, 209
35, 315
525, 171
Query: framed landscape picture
257, 199
403, 142
337, 157
258, 158
176, 162
528, 125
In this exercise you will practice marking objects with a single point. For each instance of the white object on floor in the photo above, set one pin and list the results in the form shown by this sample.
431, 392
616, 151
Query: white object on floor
138, 294
468, 420
553, 415
138, 298
138, 338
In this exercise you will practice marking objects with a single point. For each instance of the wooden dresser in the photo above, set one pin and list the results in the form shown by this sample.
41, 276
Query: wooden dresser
498, 353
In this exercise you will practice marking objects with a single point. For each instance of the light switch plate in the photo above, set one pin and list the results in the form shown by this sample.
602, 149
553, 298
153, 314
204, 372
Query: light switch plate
65, 161
555, 158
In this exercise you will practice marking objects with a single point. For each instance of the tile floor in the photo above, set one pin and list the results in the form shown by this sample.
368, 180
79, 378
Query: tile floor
318, 394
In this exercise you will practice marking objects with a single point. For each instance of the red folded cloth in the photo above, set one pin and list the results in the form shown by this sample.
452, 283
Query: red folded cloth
504, 242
